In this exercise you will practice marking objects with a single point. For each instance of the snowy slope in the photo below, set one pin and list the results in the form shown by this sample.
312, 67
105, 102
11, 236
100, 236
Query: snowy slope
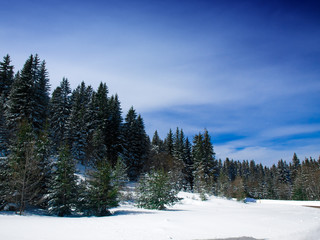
190, 219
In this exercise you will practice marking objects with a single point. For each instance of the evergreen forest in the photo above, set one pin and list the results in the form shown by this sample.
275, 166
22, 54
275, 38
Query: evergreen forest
72, 151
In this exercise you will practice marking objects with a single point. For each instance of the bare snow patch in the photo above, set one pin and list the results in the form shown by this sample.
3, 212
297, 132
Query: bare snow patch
216, 218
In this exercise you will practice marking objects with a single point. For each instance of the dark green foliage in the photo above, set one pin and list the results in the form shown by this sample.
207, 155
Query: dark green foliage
41, 95
4, 131
102, 190
4, 184
168, 142
21, 102
307, 182
103, 119
114, 124
135, 144
6, 76
189, 167
63, 189
24, 173
119, 174
156, 191
78, 127
59, 108
43, 153
203, 158
158, 157
29, 96
34, 127
157, 143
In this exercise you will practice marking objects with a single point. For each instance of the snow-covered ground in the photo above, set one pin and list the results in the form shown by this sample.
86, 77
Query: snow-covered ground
190, 219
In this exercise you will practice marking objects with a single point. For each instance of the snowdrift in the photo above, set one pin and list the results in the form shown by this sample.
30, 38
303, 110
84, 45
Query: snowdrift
192, 218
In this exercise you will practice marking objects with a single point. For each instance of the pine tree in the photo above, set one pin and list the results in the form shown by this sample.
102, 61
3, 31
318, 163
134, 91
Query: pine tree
63, 187
135, 144
42, 88
77, 126
168, 142
4, 131
178, 145
188, 162
102, 190
294, 167
29, 95
283, 186
156, 143
114, 125
158, 158
21, 98
156, 191
6, 76
24, 169
119, 174
4, 185
60, 108
203, 158
96, 117
43, 158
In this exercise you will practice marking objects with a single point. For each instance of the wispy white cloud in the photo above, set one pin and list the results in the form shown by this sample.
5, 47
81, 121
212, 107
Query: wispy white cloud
266, 155
251, 79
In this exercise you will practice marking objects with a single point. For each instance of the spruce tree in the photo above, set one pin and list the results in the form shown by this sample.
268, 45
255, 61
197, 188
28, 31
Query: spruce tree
135, 144
78, 127
156, 143
43, 158
158, 158
4, 183
21, 98
96, 117
203, 158
295, 166
4, 131
113, 138
156, 191
6, 76
102, 192
24, 174
168, 142
60, 108
41, 92
29, 95
283, 186
188, 163
63, 187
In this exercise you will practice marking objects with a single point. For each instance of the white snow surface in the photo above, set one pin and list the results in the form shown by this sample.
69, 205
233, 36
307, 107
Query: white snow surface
192, 218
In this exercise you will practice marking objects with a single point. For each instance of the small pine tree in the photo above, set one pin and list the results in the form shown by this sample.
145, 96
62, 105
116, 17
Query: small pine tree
43, 152
63, 189
102, 192
24, 168
156, 191
120, 174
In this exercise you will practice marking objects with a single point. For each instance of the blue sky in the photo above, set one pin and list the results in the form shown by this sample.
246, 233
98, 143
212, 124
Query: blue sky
248, 71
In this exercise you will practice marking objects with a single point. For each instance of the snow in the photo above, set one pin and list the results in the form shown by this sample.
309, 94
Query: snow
190, 219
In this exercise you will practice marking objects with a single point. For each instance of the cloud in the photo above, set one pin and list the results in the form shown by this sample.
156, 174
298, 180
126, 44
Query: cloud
266, 155
247, 73
290, 131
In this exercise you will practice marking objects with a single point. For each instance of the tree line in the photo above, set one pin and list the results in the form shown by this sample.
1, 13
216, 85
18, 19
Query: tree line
44, 139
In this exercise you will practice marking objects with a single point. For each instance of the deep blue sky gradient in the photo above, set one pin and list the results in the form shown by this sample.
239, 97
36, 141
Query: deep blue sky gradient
248, 71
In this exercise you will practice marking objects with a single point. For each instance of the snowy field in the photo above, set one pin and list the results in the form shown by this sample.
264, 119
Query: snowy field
190, 219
